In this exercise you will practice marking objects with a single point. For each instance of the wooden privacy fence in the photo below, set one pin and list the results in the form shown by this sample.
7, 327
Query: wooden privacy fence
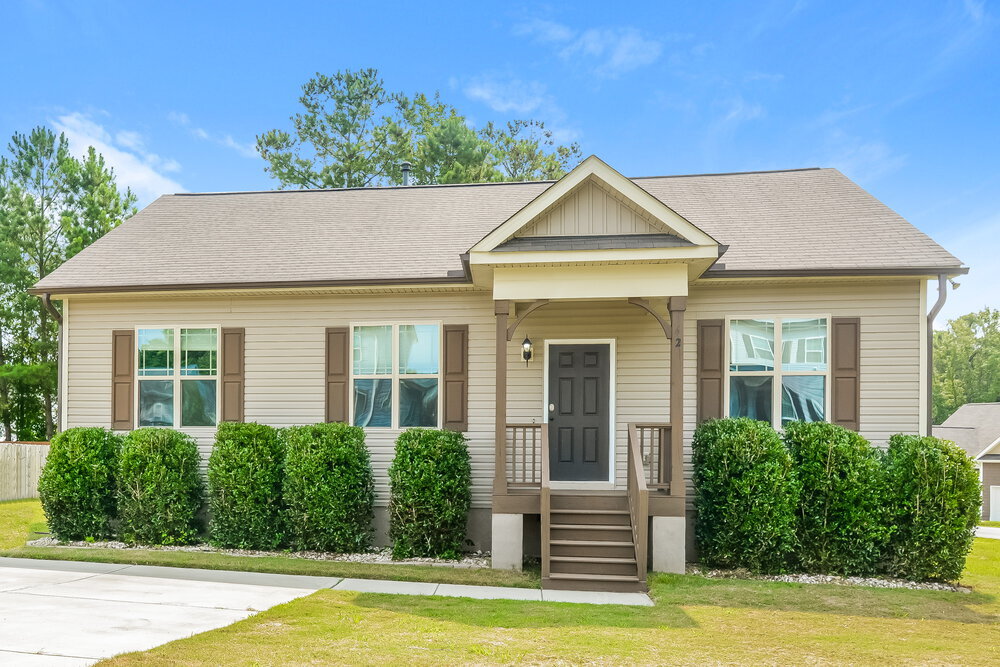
20, 466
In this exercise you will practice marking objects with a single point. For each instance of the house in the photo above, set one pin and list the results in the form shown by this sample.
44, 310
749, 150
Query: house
577, 331
975, 427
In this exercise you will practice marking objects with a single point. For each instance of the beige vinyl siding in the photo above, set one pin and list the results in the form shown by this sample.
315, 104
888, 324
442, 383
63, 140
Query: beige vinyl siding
285, 353
591, 211
642, 381
285, 358
890, 340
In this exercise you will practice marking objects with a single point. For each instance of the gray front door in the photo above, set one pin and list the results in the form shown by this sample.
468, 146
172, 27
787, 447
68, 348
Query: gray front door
579, 411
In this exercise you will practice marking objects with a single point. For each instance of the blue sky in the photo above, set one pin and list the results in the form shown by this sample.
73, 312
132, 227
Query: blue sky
901, 96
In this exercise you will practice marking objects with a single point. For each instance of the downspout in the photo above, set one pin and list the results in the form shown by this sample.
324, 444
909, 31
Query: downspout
57, 316
938, 305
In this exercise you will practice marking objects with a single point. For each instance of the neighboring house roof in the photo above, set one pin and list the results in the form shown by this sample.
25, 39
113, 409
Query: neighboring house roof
975, 427
774, 223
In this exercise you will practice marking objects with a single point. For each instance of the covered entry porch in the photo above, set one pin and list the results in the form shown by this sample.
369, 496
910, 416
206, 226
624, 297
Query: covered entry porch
585, 439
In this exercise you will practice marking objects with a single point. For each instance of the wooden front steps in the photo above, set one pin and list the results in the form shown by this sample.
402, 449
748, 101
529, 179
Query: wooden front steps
590, 544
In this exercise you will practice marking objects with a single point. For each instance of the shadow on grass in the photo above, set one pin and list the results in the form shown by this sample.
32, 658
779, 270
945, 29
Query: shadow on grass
517, 614
675, 593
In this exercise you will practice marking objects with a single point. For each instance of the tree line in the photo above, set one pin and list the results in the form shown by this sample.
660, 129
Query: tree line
52, 206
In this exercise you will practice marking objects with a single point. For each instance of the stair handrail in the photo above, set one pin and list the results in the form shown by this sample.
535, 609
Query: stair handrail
545, 503
638, 502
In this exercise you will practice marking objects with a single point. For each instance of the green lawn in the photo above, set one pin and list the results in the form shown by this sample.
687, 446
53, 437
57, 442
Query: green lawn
20, 519
695, 620
991, 524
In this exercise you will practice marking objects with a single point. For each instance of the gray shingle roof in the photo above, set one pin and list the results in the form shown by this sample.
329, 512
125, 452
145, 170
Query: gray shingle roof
793, 220
973, 427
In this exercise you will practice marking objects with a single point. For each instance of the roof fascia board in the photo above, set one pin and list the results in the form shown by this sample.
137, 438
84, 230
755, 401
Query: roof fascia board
923, 272
594, 166
481, 257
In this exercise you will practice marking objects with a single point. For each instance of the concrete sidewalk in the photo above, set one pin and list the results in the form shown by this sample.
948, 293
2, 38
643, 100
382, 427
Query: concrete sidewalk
988, 532
68, 613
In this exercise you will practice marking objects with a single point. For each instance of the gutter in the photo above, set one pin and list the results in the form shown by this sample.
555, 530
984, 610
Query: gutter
938, 305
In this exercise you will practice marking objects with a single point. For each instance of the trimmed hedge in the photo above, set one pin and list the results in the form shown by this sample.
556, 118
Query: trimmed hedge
245, 474
934, 499
160, 489
841, 522
431, 492
329, 489
745, 495
77, 484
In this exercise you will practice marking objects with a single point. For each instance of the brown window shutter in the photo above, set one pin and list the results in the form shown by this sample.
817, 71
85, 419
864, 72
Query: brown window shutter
456, 377
122, 379
845, 367
233, 374
711, 358
338, 356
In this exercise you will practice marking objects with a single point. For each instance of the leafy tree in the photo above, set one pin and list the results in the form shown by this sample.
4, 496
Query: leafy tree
966, 362
353, 132
51, 206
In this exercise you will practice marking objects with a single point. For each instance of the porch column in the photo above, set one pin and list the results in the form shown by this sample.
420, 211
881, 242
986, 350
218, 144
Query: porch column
501, 309
677, 306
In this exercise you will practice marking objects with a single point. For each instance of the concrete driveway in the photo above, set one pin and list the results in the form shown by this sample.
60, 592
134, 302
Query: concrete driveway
68, 614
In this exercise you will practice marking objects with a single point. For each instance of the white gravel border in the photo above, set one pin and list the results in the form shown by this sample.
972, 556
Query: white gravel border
377, 555
871, 582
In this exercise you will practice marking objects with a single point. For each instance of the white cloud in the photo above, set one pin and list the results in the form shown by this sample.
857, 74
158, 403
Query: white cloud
134, 167
522, 99
610, 51
975, 245
545, 31
976, 9
183, 120
862, 160
508, 96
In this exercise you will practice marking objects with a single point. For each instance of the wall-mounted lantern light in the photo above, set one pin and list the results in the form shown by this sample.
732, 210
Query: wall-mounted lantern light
526, 350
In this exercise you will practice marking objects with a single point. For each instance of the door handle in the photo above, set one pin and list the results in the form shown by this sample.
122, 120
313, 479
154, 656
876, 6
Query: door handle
552, 410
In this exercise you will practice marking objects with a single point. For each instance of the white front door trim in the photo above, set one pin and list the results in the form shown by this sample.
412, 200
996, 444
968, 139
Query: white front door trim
610, 342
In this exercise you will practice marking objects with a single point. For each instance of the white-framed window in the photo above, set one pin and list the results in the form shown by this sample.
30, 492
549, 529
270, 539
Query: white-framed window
177, 376
396, 375
794, 385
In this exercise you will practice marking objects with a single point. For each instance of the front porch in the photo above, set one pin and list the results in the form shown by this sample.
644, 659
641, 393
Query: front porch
599, 530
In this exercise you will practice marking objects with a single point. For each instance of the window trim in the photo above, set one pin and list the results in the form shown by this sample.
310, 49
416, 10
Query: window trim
176, 376
778, 353
395, 376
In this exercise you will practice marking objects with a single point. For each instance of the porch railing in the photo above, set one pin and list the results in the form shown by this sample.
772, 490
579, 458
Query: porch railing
653, 441
524, 455
638, 501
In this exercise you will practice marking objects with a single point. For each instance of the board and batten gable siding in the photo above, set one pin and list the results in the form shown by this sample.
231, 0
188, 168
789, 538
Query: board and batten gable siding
591, 211
285, 368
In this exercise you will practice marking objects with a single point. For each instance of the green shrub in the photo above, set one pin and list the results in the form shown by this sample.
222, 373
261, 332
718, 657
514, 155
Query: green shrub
934, 500
329, 489
77, 485
841, 523
245, 473
431, 492
160, 489
745, 495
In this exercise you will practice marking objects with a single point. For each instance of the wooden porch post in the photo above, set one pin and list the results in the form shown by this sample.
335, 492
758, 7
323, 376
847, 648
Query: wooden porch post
677, 306
502, 310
